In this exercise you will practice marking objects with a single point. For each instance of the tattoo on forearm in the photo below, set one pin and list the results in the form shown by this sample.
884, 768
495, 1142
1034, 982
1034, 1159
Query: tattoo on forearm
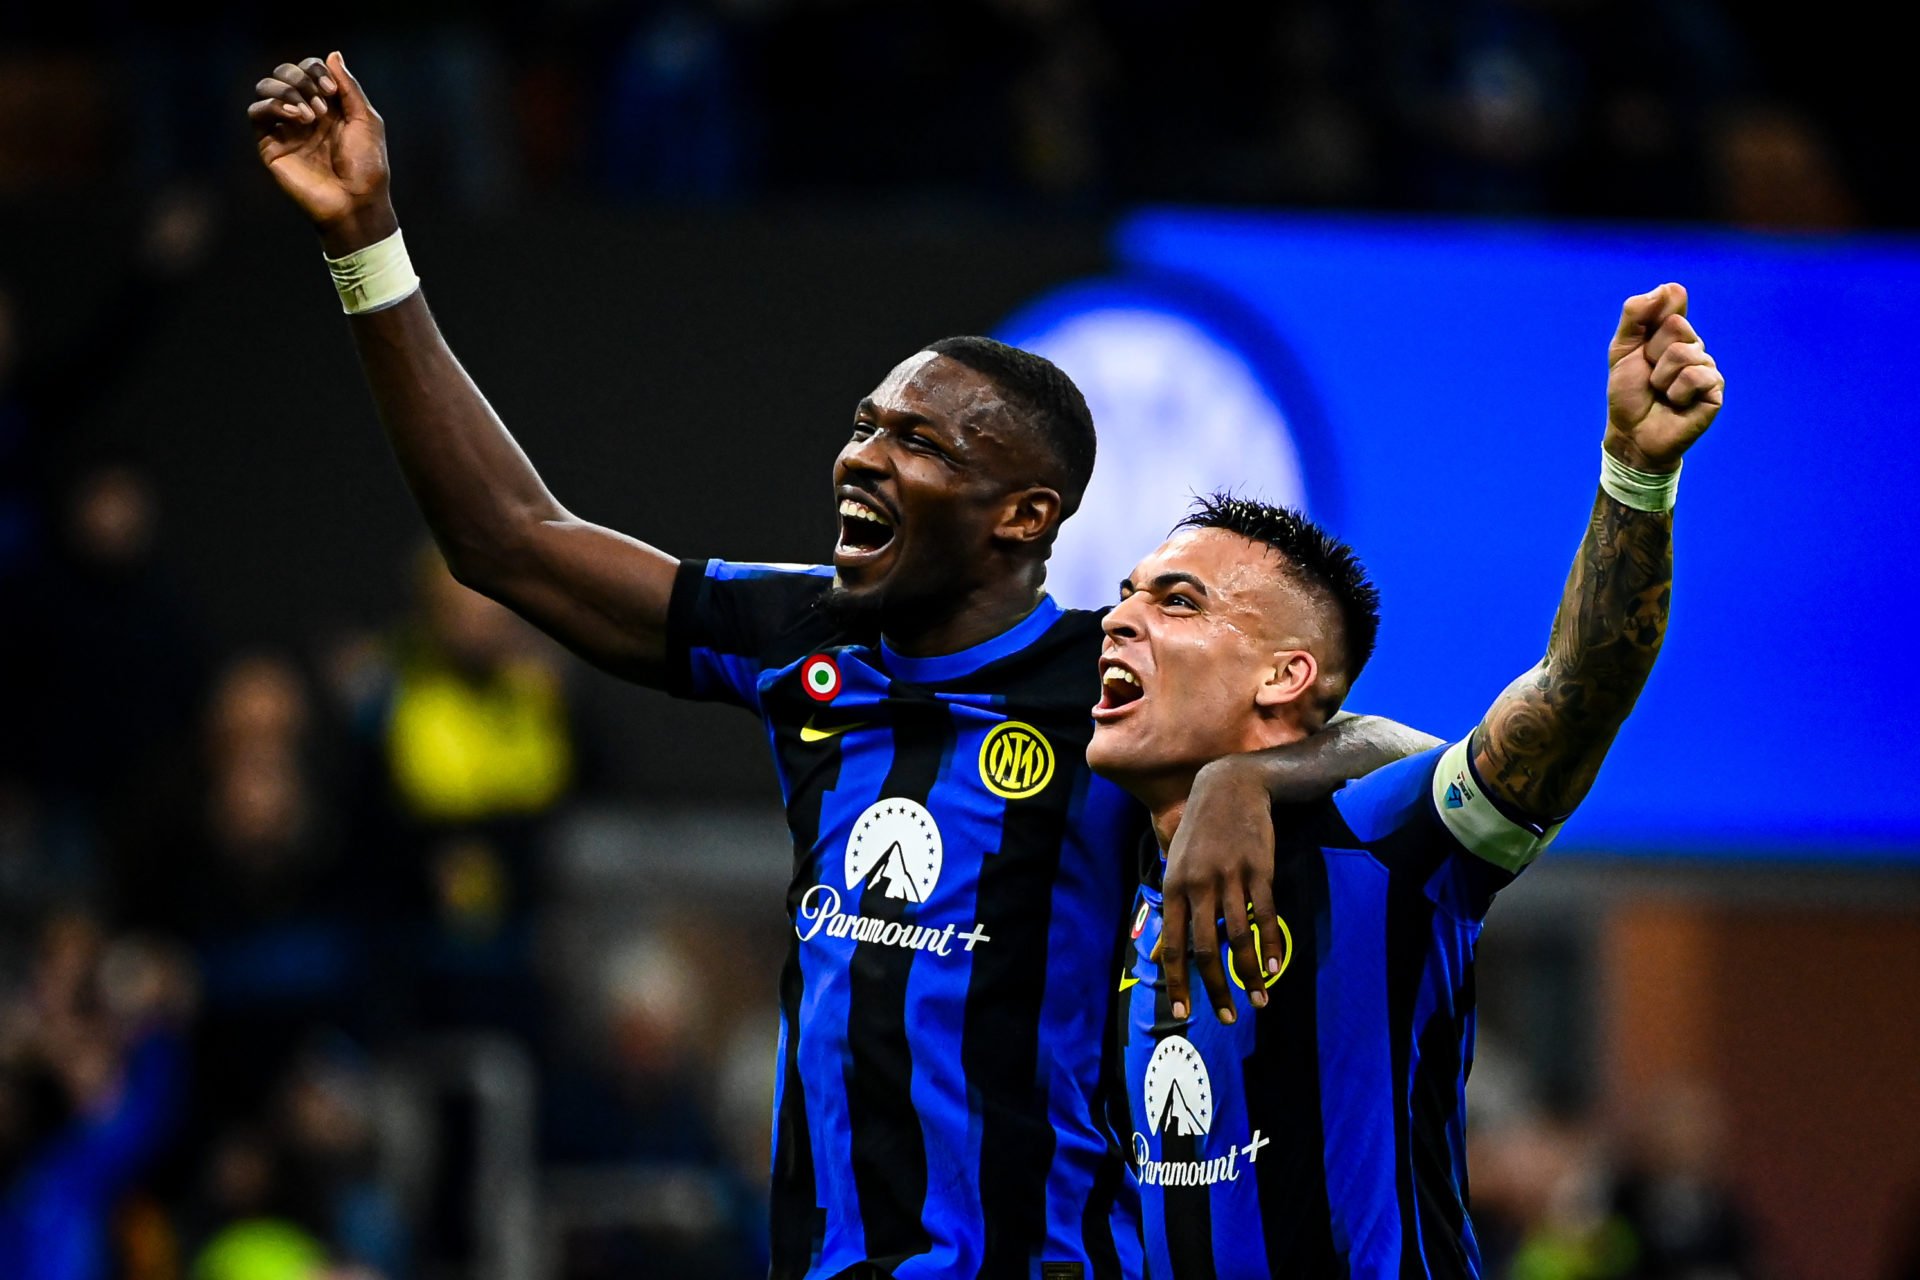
1542, 742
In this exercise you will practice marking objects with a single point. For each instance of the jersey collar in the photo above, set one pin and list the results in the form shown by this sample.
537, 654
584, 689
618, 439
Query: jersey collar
952, 666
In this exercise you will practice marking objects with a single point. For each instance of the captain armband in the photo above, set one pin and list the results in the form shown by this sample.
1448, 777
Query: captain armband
1476, 822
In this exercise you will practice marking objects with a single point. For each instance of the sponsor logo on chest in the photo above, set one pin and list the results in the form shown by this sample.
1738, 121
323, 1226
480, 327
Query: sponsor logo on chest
1178, 1093
895, 852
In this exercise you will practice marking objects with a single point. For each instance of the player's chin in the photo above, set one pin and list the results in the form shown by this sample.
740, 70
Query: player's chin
1112, 752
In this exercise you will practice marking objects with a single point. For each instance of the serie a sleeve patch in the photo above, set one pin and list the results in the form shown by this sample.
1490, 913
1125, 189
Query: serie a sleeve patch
1476, 822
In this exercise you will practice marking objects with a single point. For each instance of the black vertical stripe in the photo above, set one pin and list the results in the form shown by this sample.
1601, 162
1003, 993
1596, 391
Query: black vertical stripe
797, 1219
1000, 1043
1282, 1081
1110, 1114
1188, 1210
1408, 941
887, 1148
1436, 1104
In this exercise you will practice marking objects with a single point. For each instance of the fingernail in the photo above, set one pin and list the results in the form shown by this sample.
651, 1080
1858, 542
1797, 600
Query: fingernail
1273, 964
326, 82
1179, 1011
320, 105
1259, 999
1226, 1015
306, 112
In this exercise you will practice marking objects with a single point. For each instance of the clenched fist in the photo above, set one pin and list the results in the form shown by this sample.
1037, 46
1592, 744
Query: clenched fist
1663, 389
326, 146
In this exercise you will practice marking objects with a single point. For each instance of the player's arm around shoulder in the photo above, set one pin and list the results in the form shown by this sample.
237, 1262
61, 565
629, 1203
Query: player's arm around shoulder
1538, 749
1221, 863
602, 594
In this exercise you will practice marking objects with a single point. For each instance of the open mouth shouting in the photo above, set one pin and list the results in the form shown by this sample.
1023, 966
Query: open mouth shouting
1120, 690
866, 529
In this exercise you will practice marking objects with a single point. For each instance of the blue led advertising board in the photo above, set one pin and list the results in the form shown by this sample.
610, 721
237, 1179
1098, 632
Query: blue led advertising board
1436, 392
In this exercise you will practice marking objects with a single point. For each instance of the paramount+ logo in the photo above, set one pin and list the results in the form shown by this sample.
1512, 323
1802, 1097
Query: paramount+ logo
1016, 761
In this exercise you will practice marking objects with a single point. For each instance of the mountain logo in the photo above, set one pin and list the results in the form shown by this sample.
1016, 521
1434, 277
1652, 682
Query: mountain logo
1179, 1093
895, 851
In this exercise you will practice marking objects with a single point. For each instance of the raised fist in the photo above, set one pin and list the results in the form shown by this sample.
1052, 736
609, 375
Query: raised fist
1663, 389
323, 142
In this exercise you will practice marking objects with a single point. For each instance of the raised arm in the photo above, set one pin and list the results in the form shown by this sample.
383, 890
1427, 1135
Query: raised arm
1541, 743
602, 594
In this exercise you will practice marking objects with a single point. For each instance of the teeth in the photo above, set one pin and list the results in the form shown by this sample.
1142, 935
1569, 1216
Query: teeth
1122, 674
860, 511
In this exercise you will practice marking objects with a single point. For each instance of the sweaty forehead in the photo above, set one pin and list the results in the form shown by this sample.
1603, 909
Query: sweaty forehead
1240, 576
933, 386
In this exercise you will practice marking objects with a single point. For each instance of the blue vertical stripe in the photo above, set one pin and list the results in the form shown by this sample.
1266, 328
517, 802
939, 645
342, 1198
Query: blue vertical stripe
1356, 1065
1095, 886
865, 760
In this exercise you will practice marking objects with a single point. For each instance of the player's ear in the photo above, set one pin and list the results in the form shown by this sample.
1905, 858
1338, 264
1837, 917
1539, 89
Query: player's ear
1030, 515
1292, 675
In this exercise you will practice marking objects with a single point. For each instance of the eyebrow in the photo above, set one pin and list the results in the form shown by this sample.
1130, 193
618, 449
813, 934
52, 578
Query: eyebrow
1165, 581
906, 417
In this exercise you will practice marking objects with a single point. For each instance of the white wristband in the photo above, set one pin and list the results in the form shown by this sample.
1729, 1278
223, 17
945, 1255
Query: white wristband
374, 277
1641, 490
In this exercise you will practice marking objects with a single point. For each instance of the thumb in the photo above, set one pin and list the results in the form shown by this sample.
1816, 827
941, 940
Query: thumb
353, 99
1641, 314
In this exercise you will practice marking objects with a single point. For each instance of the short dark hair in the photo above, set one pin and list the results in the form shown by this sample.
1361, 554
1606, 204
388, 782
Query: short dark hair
1053, 406
1324, 562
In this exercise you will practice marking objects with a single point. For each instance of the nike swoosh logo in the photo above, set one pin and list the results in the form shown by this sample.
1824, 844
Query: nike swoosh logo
1128, 981
810, 734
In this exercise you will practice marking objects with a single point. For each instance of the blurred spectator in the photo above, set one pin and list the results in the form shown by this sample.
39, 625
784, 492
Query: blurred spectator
105, 665
640, 1091
48, 388
1540, 1195
645, 1094
329, 1162
91, 1067
466, 750
1672, 1191
250, 1236
1776, 172
238, 854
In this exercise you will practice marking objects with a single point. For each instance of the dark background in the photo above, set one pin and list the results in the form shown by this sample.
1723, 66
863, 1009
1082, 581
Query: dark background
684, 378
521, 1036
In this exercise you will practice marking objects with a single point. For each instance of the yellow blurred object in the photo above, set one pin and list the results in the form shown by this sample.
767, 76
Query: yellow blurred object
463, 751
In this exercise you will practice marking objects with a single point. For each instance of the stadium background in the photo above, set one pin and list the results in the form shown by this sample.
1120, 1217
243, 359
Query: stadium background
378, 932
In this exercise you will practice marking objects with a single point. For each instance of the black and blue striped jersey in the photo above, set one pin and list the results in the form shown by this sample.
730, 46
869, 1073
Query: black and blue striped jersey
1325, 1135
947, 1032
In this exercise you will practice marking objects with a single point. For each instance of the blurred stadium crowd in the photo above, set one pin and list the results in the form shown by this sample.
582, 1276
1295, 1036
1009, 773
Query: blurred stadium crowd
286, 985
1671, 111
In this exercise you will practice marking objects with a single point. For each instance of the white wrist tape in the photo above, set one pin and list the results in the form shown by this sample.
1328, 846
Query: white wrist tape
1641, 490
374, 277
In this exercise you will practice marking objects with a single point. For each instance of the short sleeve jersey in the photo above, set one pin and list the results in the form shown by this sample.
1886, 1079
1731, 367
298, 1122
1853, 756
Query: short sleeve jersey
1324, 1135
959, 880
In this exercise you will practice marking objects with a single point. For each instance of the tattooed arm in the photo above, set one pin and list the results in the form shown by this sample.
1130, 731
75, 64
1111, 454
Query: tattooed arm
1541, 743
